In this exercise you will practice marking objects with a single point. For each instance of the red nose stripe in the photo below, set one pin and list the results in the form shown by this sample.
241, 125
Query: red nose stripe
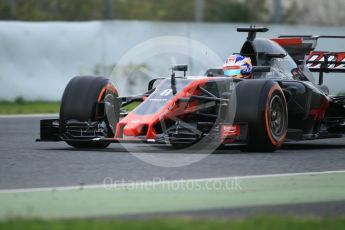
133, 129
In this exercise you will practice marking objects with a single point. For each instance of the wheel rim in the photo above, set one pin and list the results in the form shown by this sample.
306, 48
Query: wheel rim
110, 111
277, 117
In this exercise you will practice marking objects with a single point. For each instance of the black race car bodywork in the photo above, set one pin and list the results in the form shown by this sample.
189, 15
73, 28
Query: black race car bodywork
279, 103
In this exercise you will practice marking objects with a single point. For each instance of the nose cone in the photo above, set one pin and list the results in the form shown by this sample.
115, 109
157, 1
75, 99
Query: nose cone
133, 129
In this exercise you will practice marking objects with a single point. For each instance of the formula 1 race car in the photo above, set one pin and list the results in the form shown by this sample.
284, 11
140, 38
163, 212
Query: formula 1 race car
279, 103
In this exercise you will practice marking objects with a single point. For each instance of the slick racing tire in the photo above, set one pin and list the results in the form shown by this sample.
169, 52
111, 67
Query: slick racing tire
79, 102
262, 105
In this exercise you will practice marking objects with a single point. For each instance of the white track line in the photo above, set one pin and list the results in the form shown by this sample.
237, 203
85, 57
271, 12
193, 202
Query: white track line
148, 183
29, 115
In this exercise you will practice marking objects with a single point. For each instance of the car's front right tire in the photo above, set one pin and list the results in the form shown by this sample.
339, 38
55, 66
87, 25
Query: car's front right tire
262, 105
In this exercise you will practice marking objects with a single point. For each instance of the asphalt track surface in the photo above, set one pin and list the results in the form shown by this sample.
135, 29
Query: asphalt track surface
25, 163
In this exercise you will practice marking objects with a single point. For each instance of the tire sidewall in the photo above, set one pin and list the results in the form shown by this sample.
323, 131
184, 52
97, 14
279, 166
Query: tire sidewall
253, 100
274, 141
79, 103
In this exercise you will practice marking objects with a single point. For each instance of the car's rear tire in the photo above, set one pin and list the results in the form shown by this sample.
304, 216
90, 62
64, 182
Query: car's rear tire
79, 102
262, 104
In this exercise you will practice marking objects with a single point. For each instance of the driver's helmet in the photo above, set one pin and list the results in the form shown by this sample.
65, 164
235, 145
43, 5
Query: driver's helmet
238, 66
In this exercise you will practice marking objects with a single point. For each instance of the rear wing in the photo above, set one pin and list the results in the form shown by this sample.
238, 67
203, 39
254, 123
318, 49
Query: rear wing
298, 46
301, 48
326, 62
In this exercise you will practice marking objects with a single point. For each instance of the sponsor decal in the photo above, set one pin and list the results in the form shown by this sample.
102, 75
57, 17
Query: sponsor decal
331, 57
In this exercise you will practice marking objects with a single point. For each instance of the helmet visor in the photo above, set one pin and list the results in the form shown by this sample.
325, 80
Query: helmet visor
232, 72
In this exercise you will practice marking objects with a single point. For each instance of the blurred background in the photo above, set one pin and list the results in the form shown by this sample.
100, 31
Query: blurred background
44, 43
317, 12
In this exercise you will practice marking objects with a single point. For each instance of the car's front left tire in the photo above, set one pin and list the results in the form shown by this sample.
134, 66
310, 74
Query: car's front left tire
79, 105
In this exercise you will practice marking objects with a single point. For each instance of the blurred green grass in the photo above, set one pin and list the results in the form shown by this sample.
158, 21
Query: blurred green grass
21, 106
131, 106
259, 222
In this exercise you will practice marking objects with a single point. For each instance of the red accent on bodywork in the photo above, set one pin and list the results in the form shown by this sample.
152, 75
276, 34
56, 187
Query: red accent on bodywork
229, 131
133, 129
132, 125
319, 113
288, 41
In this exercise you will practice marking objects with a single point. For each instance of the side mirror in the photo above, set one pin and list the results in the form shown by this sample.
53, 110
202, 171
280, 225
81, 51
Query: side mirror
154, 82
181, 68
261, 69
